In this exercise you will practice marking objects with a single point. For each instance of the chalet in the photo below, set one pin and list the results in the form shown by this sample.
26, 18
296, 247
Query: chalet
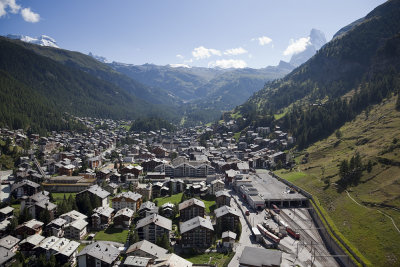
96, 191
9, 242
147, 208
152, 227
98, 254
223, 198
29, 228
6, 257
197, 233
73, 215
123, 218
146, 249
94, 162
102, 217
243, 167
26, 246
56, 227
136, 261
149, 165
191, 208
157, 189
145, 190
66, 169
24, 188
127, 200
227, 218
67, 253
6, 212
217, 185
135, 170
111, 188
228, 238
230, 175
172, 260
168, 210
76, 229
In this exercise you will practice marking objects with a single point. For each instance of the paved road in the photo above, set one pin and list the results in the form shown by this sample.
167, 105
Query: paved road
245, 238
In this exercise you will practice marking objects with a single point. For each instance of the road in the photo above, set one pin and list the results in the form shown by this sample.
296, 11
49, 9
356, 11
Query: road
246, 238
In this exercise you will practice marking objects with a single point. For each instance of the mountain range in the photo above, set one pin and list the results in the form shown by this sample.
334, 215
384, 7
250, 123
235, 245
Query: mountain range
200, 94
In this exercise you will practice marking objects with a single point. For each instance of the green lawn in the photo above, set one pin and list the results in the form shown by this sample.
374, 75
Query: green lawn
173, 199
17, 208
81, 246
210, 205
58, 197
217, 259
290, 176
112, 234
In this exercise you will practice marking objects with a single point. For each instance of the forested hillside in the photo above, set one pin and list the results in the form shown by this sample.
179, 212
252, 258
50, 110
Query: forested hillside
37, 90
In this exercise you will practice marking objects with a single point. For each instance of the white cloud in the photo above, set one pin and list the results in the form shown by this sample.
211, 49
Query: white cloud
297, 46
201, 52
4, 4
179, 56
263, 40
228, 63
30, 16
235, 51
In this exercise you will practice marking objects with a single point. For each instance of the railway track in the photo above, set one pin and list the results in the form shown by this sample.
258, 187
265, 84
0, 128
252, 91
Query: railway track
309, 242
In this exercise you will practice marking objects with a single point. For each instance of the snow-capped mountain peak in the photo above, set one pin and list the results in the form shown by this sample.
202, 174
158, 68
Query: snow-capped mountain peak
316, 40
43, 40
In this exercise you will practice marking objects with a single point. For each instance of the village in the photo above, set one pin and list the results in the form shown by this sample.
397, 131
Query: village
113, 197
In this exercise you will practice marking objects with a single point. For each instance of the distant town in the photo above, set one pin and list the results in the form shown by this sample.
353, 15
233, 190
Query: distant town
199, 196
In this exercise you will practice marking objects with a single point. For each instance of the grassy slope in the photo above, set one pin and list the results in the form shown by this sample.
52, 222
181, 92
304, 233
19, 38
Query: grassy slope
372, 233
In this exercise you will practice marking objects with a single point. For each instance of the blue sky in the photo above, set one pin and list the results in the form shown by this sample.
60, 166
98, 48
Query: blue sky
204, 33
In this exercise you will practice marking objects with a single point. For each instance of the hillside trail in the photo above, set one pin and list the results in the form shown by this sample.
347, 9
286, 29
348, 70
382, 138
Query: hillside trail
355, 201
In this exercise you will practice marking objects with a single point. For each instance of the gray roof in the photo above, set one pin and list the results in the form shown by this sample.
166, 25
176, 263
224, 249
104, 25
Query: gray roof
190, 202
156, 219
194, 223
33, 224
225, 210
5, 255
173, 260
260, 257
69, 249
98, 191
33, 239
131, 195
105, 211
6, 210
149, 248
58, 222
102, 251
136, 261
222, 193
8, 242
78, 224
147, 205
229, 234
25, 182
125, 212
